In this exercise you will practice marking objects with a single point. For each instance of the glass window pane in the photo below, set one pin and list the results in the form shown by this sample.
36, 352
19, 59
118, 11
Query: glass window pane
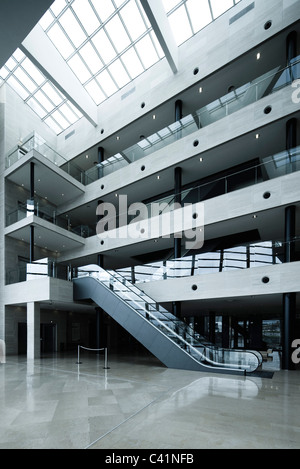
104, 46
132, 63
18, 87
146, 51
91, 58
199, 13
170, 4
117, 34
106, 82
40, 96
25, 80
104, 8
86, 15
60, 119
4, 72
46, 20
68, 113
72, 28
79, 68
53, 125
18, 55
33, 71
180, 25
36, 107
133, 20
11, 63
58, 6
49, 90
60, 41
220, 6
119, 73
95, 92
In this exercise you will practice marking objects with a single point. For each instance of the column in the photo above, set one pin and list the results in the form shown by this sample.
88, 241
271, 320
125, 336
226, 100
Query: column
289, 299
100, 160
100, 328
176, 306
33, 330
30, 211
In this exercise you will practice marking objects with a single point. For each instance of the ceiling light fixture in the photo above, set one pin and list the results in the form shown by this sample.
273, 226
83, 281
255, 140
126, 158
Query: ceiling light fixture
258, 56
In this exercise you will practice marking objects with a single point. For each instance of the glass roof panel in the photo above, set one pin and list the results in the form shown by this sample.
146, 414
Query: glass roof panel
58, 6
219, 7
119, 73
86, 15
180, 25
72, 28
95, 92
104, 46
91, 58
147, 51
106, 82
79, 68
16, 85
60, 41
33, 71
37, 108
117, 33
132, 63
133, 19
104, 8
199, 13
42, 98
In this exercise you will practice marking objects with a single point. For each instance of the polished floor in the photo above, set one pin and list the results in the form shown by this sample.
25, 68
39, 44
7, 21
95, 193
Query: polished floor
55, 403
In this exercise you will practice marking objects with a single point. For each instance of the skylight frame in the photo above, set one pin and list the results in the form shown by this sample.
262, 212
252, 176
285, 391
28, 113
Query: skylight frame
38, 82
116, 13
175, 5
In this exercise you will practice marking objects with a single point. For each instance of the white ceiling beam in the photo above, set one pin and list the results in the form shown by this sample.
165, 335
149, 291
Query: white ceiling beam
40, 50
159, 22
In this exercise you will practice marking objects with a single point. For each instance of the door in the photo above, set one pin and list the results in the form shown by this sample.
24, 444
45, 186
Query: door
48, 338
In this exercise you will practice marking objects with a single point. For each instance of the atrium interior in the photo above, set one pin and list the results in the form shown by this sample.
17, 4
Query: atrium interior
150, 220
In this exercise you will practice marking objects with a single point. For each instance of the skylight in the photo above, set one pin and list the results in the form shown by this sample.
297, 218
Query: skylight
187, 17
106, 43
39, 93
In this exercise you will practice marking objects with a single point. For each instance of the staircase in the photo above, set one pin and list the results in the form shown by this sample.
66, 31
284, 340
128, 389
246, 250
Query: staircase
165, 336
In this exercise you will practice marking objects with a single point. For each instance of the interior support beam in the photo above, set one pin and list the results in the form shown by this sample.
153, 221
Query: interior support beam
159, 22
41, 51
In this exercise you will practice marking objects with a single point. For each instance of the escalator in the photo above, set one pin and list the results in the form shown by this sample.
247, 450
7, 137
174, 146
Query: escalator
163, 334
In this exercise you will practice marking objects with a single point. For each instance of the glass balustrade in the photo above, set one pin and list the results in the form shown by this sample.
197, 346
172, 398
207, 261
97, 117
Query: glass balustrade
36, 142
233, 101
173, 328
241, 257
42, 268
237, 99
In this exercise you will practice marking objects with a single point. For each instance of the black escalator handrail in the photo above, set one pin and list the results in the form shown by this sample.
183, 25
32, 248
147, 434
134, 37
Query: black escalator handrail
187, 344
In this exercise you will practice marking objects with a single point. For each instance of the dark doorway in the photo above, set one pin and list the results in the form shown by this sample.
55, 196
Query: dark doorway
22, 338
48, 338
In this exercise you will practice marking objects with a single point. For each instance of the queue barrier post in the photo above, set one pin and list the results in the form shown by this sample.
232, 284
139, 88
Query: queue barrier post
106, 367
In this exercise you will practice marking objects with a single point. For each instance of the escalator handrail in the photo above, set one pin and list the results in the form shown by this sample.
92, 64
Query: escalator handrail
187, 344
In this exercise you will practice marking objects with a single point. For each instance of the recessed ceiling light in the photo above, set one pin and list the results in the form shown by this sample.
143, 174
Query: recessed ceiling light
258, 56
158, 177
154, 116
257, 136
87, 156
200, 89
254, 216
200, 159
118, 138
